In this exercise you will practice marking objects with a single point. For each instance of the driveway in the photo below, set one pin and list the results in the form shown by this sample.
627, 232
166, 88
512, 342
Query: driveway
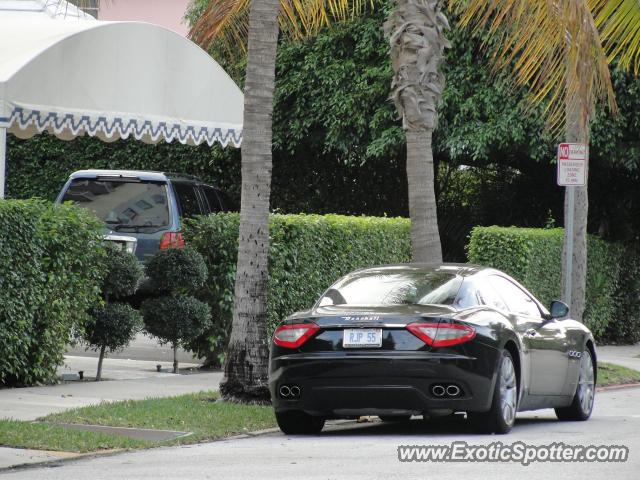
142, 347
368, 451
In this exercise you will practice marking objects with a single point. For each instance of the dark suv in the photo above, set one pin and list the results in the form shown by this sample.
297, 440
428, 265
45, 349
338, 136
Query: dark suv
142, 210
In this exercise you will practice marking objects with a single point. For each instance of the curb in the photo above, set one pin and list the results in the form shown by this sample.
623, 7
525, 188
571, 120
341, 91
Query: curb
66, 457
617, 387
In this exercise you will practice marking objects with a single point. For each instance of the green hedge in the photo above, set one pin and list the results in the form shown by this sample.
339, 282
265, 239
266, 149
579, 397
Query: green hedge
50, 275
307, 253
625, 327
533, 257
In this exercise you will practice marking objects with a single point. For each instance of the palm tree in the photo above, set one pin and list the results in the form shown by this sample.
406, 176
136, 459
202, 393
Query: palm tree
416, 32
246, 367
417, 85
560, 50
246, 371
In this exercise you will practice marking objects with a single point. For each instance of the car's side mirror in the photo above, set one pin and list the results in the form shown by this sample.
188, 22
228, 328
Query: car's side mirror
558, 309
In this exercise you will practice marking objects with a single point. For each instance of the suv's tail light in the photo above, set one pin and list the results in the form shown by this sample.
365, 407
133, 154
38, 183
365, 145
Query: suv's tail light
294, 336
442, 334
171, 240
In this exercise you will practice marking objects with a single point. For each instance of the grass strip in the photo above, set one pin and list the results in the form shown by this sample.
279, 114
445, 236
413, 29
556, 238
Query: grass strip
610, 374
39, 436
200, 413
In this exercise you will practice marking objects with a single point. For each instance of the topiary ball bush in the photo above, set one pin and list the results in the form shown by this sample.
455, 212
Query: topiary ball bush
176, 320
177, 270
112, 326
124, 273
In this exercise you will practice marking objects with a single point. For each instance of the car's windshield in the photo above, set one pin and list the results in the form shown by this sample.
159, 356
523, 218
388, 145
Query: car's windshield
122, 204
393, 288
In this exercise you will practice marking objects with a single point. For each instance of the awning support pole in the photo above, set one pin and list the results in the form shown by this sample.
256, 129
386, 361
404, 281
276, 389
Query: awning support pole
3, 158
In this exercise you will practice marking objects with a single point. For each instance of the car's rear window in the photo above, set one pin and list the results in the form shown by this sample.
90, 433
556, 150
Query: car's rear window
392, 288
122, 203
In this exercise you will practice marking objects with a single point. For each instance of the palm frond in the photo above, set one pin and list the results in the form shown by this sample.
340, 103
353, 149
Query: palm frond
553, 48
225, 22
619, 24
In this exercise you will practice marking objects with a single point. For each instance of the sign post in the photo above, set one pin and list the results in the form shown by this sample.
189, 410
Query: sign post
572, 169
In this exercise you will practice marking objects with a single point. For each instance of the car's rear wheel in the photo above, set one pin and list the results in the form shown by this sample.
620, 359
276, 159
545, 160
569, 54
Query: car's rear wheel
501, 417
394, 418
582, 404
296, 422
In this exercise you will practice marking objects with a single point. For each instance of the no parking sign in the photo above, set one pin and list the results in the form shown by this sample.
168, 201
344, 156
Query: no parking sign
572, 164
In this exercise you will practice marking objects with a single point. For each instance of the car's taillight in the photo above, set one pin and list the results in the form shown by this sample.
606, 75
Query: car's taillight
442, 334
294, 336
171, 240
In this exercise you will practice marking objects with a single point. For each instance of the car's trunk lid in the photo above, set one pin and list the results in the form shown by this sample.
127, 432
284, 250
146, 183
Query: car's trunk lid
362, 316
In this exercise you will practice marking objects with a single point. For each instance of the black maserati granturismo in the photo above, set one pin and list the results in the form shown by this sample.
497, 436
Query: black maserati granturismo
403, 340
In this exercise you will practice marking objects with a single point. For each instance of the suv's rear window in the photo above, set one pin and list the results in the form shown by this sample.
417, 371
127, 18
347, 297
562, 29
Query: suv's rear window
121, 203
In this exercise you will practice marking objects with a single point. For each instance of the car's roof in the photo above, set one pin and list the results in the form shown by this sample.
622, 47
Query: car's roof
462, 269
141, 174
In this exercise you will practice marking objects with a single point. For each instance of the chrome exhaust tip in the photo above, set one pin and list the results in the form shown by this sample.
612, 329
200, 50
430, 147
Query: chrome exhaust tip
285, 391
438, 390
453, 390
295, 391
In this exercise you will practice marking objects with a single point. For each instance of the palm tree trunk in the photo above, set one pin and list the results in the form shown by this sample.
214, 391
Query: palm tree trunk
100, 359
425, 238
246, 368
576, 132
416, 35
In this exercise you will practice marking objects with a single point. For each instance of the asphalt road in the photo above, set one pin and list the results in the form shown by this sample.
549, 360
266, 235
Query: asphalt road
369, 451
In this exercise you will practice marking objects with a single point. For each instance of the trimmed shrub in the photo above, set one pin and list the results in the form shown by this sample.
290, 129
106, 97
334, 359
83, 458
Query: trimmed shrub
176, 317
307, 253
177, 269
534, 258
176, 320
113, 326
123, 273
51, 259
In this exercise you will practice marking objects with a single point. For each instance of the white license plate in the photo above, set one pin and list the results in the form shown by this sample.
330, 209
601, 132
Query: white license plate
362, 337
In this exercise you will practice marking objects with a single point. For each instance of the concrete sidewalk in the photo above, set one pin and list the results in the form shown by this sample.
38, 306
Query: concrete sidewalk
128, 380
624, 355
11, 457
124, 380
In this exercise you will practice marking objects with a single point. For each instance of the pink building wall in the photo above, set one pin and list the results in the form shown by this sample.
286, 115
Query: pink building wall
167, 13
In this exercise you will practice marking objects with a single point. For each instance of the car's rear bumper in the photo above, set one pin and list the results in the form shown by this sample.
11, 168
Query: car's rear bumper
346, 384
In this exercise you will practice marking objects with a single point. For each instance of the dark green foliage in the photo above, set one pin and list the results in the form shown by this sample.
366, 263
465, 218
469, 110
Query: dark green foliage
307, 253
176, 320
51, 270
124, 273
176, 270
338, 144
38, 167
112, 326
534, 258
625, 325
339, 148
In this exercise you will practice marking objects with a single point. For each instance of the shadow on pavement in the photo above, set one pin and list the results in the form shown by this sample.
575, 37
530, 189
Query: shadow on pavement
458, 425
